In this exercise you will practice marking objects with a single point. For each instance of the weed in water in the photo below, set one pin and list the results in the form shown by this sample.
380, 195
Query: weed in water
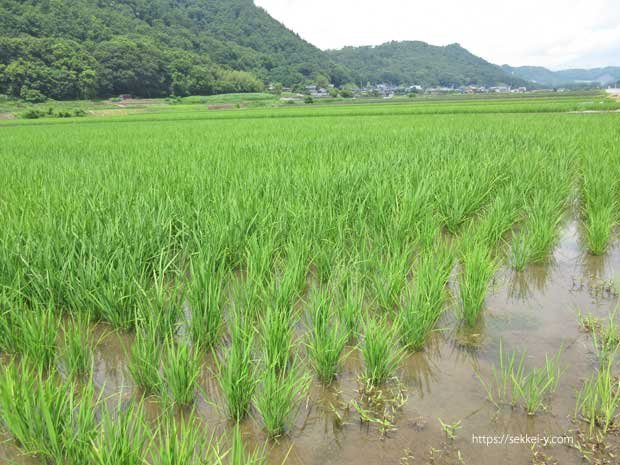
599, 399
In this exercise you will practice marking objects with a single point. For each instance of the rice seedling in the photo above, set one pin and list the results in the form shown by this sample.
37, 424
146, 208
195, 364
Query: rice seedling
278, 395
77, 350
380, 350
240, 456
236, 369
599, 225
425, 304
144, 359
389, 278
599, 202
182, 442
160, 310
46, 416
276, 337
599, 399
349, 307
326, 340
180, 371
477, 269
204, 295
36, 333
123, 436
512, 383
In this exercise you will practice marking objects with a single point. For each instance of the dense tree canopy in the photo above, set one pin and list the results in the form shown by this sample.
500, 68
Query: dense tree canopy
414, 62
150, 48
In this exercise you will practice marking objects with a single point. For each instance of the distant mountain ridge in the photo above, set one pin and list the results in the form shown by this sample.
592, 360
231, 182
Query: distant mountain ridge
416, 62
568, 77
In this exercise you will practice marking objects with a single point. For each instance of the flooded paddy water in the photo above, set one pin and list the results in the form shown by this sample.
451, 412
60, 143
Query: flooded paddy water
536, 310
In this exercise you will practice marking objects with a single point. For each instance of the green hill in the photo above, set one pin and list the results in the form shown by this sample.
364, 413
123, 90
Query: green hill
567, 77
150, 48
414, 62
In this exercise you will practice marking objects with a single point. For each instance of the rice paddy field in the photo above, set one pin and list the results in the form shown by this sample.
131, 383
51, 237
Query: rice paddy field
381, 284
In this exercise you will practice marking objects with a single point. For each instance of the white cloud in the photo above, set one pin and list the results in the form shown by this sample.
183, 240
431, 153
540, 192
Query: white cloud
552, 33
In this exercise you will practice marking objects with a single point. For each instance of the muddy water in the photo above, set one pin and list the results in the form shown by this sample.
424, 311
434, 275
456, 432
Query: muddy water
535, 310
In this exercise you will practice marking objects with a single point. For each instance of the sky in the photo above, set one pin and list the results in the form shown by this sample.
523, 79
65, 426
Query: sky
557, 34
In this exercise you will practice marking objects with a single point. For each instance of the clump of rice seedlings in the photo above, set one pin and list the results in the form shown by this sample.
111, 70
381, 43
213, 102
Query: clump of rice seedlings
181, 369
512, 383
349, 306
326, 340
277, 337
204, 295
77, 351
380, 350
599, 224
122, 437
182, 443
237, 370
46, 416
144, 359
38, 330
389, 279
534, 387
534, 241
278, 395
419, 317
240, 456
511, 368
477, 269
160, 309
599, 399
599, 189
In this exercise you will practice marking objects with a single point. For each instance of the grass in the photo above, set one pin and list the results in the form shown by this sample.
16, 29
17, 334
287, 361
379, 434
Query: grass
380, 350
477, 269
326, 340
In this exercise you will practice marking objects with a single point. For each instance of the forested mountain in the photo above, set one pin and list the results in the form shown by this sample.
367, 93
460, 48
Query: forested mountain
567, 77
414, 62
82, 48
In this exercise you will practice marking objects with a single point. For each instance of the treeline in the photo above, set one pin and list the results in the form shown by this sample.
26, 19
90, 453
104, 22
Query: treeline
415, 62
62, 69
151, 48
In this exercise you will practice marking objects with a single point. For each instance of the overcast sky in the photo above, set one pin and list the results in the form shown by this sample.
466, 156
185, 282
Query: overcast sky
553, 33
